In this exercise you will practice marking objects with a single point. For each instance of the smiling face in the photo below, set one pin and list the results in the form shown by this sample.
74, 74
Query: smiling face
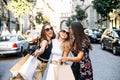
64, 34
71, 31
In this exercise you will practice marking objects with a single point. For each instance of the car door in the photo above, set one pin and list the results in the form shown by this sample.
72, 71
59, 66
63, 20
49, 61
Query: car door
106, 38
110, 40
23, 42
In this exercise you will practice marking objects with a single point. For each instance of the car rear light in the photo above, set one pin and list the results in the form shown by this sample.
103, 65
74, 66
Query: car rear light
36, 38
14, 45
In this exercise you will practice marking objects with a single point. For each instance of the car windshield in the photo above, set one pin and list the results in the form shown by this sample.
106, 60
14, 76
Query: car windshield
117, 33
90, 31
96, 31
8, 38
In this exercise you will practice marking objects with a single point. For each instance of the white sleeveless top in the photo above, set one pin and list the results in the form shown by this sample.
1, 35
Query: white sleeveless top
56, 50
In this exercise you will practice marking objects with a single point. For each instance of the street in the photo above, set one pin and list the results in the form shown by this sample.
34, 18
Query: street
5, 64
106, 66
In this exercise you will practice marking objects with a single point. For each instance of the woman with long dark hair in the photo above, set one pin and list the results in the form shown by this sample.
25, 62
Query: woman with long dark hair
82, 68
43, 54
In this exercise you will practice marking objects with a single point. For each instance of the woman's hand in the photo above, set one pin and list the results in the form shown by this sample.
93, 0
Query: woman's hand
63, 59
37, 53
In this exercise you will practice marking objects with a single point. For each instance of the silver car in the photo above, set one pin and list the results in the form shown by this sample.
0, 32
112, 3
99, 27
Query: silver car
10, 44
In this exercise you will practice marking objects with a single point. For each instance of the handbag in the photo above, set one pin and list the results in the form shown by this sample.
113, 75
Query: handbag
28, 68
15, 69
66, 69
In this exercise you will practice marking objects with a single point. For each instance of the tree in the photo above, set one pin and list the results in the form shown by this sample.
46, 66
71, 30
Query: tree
39, 18
80, 13
70, 19
104, 7
19, 7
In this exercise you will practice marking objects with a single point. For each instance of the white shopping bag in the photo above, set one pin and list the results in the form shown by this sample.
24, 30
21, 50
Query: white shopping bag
15, 69
66, 69
29, 67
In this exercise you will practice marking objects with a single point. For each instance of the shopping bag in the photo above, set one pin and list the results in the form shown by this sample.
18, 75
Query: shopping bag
65, 72
14, 70
28, 68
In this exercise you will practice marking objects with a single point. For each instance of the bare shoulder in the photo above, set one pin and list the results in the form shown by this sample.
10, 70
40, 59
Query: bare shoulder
44, 42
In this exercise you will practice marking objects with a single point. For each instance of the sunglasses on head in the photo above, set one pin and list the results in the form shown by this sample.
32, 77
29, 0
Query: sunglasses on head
65, 32
48, 29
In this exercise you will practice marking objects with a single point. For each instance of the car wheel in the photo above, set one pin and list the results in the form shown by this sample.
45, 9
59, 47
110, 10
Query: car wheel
102, 46
114, 50
21, 52
26, 51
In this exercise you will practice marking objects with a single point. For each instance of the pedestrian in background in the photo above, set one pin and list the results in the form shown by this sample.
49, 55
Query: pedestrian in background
13, 31
5, 31
43, 54
61, 47
81, 66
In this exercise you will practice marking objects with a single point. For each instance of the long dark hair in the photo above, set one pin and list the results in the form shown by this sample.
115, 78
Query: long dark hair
43, 35
79, 35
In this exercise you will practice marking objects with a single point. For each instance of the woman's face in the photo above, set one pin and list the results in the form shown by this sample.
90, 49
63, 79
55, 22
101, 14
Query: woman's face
64, 34
49, 31
71, 31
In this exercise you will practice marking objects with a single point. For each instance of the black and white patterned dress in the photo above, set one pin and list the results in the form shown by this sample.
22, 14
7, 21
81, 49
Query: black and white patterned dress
83, 70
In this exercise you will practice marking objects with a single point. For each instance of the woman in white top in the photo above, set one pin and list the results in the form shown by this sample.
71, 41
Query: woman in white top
61, 47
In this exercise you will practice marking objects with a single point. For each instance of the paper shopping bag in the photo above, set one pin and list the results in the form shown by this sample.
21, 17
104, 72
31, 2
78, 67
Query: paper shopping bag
28, 68
68, 74
14, 70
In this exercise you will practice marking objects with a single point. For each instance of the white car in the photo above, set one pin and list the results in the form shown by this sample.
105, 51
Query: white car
10, 44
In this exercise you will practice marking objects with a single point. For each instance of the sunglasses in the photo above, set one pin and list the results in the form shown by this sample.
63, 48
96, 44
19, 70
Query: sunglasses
65, 32
48, 29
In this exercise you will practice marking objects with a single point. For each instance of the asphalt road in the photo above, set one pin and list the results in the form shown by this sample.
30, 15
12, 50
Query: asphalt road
106, 66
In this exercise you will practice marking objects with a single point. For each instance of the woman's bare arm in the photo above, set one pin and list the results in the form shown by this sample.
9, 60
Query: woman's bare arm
43, 45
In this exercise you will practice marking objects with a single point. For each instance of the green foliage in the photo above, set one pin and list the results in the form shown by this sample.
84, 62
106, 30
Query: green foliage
39, 18
69, 21
104, 7
20, 7
80, 14
44, 22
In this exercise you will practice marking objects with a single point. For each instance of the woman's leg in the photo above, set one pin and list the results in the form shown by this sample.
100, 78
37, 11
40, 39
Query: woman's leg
38, 74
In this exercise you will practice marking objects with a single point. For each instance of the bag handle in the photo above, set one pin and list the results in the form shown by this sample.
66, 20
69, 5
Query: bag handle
63, 63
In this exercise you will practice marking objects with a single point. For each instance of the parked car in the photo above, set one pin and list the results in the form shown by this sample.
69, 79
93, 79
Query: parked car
110, 39
98, 33
32, 37
13, 44
91, 35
